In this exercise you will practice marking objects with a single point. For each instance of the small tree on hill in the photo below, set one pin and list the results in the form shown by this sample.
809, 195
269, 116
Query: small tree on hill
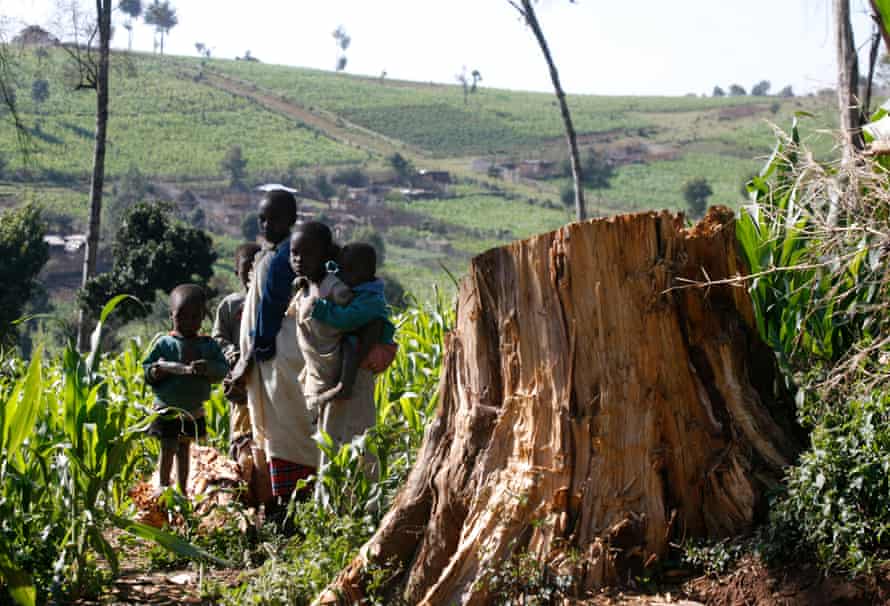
786, 92
761, 89
718, 92
234, 165
402, 167
696, 193
352, 177
163, 17
342, 41
151, 252
567, 195
133, 10
39, 91
323, 187
23, 253
737, 90
598, 170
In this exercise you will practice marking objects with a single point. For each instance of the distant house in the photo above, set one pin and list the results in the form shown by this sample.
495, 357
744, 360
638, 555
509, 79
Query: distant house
412, 193
538, 169
372, 195
34, 35
69, 244
440, 177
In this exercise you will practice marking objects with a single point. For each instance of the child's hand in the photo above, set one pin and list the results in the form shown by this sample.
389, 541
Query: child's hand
232, 356
241, 367
199, 367
156, 372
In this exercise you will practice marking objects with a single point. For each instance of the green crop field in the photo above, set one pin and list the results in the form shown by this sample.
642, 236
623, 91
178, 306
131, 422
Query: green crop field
434, 116
174, 124
160, 120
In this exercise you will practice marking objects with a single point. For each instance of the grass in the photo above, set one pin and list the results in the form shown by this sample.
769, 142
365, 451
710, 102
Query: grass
435, 117
161, 120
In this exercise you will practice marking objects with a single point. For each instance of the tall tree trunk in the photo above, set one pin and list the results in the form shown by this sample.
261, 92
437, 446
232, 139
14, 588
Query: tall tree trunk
162, 42
588, 415
97, 183
527, 10
847, 81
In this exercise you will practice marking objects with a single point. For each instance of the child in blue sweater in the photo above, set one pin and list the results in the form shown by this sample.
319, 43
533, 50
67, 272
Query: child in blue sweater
180, 370
365, 317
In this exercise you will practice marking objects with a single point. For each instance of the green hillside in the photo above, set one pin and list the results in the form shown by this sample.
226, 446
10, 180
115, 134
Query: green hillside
174, 119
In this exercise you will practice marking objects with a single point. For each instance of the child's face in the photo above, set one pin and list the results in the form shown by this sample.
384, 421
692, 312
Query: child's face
245, 264
306, 257
187, 317
275, 221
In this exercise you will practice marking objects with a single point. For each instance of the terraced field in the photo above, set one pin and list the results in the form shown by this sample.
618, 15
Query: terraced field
175, 117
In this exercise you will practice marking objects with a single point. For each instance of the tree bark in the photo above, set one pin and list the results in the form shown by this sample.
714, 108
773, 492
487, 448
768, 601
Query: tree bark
527, 10
97, 183
590, 415
847, 81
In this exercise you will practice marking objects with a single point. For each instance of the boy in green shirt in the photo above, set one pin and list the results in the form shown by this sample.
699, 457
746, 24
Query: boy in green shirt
180, 369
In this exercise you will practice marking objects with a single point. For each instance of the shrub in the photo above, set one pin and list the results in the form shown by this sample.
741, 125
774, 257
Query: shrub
352, 177
696, 193
835, 506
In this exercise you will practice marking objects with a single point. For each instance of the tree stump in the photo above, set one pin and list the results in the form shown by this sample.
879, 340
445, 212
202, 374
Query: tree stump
592, 412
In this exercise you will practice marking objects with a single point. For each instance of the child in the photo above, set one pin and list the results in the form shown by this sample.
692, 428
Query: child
270, 361
365, 309
180, 369
226, 333
328, 307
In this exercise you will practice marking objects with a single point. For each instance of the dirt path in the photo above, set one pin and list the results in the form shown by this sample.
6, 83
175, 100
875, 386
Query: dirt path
333, 126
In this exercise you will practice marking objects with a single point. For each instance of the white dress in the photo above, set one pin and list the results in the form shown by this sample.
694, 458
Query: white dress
281, 423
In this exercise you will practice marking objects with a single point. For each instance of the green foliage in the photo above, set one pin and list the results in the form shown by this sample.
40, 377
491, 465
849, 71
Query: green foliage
299, 571
235, 166
736, 90
133, 8
406, 396
597, 170
761, 89
351, 176
39, 90
696, 193
71, 443
817, 285
836, 502
162, 16
162, 122
714, 558
23, 253
402, 167
328, 538
523, 578
567, 195
151, 252
805, 312
718, 92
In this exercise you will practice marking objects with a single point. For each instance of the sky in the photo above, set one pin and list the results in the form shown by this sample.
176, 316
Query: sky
605, 47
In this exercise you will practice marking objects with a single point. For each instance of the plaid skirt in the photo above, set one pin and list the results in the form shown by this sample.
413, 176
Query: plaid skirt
286, 474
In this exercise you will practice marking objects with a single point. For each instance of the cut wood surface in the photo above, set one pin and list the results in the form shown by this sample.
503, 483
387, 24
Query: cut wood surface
591, 414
